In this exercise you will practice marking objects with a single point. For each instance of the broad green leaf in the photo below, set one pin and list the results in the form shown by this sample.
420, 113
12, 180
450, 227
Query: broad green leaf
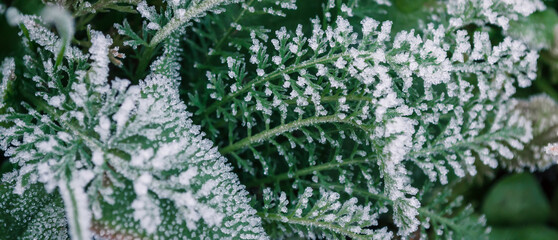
517, 199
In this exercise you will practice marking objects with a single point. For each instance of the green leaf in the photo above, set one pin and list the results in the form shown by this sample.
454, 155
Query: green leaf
126, 30
120, 8
517, 199
554, 207
409, 6
538, 232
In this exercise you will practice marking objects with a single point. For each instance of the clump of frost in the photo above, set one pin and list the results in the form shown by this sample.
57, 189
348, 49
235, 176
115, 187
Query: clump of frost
8, 72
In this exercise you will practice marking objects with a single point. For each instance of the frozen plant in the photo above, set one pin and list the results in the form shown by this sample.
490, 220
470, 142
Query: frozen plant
212, 121
123, 156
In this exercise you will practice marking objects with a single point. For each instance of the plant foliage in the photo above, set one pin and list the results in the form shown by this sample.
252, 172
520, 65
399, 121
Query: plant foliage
341, 124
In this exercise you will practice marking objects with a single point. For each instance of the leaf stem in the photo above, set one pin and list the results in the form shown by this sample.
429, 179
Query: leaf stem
479, 139
193, 11
310, 223
60, 55
325, 99
144, 61
281, 129
78, 229
306, 171
230, 30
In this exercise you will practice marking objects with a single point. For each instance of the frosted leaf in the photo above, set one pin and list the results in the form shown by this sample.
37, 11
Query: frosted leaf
405, 215
129, 138
328, 216
166, 157
394, 94
144, 168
